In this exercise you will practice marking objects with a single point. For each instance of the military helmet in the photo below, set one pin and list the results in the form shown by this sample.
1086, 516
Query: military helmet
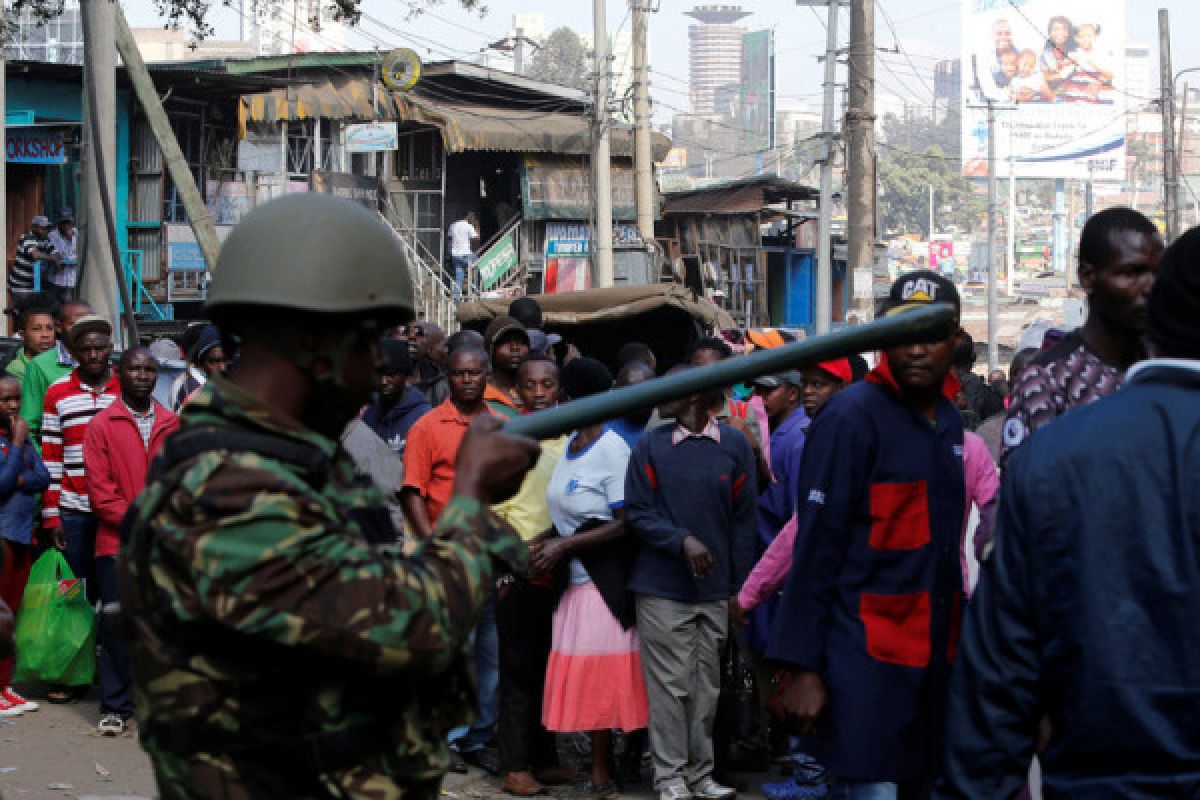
316, 253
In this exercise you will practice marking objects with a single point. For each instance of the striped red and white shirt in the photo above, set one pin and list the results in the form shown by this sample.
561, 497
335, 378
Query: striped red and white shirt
69, 406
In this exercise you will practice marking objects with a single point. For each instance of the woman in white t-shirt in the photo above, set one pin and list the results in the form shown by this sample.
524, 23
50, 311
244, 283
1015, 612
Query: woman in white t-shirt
594, 676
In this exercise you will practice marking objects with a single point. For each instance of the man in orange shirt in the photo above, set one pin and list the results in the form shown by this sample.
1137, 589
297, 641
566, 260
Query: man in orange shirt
429, 457
433, 441
508, 348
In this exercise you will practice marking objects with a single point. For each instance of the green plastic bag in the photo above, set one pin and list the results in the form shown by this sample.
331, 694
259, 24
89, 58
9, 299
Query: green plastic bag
56, 627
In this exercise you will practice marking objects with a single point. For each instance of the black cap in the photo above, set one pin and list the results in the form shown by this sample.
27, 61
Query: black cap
921, 288
396, 357
792, 376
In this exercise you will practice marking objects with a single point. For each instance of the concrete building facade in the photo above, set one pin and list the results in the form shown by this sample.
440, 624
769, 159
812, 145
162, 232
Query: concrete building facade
714, 53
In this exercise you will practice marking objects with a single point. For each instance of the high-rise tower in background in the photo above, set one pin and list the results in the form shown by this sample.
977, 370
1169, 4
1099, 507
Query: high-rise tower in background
714, 54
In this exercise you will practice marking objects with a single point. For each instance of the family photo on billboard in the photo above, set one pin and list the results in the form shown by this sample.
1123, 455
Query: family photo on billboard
1055, 69
1073, 61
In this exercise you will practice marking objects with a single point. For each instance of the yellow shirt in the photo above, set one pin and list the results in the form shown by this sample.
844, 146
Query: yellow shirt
527, 510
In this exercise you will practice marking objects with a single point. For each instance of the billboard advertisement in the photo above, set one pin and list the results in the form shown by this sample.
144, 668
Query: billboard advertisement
757, 93
1057, 67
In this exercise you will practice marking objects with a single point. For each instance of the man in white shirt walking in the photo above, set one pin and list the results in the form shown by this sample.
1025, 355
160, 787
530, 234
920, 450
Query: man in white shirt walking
463, 234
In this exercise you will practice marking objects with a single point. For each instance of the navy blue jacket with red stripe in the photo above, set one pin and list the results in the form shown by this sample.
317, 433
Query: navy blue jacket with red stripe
698, 487
874, 598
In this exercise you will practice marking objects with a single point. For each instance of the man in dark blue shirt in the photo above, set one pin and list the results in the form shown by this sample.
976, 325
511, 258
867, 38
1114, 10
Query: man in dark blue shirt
868, 619
1086, 610
690, 497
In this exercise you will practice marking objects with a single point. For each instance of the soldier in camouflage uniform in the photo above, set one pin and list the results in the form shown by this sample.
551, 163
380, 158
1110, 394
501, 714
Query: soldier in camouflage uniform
281, 644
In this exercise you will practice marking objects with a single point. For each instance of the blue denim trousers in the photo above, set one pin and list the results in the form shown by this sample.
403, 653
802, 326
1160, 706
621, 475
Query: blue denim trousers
116, 679
79, 530
460, 265
487, 677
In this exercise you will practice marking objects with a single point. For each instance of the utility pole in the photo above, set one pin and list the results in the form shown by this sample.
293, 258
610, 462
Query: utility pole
1167, 100
519, 52
993, 345
177, 167
1089, 188
643, 158
1181, 197
931, 234
601, 164
1011, 245
97, 284
824, 287
860, 161
992, 107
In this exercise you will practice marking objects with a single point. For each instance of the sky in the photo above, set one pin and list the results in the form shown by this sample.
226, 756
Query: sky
925, 30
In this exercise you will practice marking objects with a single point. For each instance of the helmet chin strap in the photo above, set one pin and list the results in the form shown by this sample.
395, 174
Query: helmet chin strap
336, 354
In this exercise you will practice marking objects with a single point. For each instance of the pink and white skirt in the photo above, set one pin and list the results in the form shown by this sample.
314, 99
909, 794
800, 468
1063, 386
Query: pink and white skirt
594, 676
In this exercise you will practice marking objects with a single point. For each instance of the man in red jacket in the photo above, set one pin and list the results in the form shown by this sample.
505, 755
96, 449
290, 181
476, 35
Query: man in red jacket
117, 449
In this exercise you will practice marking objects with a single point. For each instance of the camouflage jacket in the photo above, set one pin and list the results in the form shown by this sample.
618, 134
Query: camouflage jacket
280, 650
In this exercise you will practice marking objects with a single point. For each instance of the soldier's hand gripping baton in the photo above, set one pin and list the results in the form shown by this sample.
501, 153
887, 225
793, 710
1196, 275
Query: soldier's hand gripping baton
932, 323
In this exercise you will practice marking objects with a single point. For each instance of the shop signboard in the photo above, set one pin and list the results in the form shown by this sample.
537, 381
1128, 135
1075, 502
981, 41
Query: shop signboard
37, 145
568, 258
498, 260
372, 137
361, 189
1057, 68
183, 251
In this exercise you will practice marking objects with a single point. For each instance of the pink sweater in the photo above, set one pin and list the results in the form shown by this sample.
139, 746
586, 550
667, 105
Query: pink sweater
982, 482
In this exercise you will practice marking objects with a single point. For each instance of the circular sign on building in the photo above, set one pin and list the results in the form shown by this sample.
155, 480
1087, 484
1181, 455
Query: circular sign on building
401, 69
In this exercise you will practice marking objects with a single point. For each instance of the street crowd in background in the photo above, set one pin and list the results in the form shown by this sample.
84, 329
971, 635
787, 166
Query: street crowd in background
772, 573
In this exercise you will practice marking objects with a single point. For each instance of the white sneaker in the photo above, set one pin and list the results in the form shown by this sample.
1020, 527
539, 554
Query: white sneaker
674, 791
708, 789
7, 709
111, 725
17, 701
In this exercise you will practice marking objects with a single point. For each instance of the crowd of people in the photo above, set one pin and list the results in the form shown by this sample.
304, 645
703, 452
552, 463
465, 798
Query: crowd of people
78, 430
777, 570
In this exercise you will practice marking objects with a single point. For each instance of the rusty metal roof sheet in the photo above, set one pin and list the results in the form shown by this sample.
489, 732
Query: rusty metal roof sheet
465, 126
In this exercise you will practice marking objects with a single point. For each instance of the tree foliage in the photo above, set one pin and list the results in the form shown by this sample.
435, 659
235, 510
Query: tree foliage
193, 14
915, 154
562, 59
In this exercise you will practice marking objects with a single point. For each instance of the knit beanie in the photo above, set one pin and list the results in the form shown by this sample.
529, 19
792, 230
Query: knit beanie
584, 376
1174, 303
209, 338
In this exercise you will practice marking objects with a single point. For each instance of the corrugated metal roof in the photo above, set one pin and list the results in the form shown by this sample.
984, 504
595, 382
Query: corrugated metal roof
746, 195
465, 126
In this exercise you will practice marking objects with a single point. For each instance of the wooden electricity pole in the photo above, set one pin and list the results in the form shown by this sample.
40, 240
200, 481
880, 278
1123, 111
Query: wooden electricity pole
860, 161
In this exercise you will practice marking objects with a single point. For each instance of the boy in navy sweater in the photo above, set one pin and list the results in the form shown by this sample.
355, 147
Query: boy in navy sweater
869, 617
690, 497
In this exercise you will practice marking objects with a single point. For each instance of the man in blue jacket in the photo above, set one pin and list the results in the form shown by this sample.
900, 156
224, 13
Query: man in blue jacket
1087, 611
868, 618
690, 497
783, 400
398, 405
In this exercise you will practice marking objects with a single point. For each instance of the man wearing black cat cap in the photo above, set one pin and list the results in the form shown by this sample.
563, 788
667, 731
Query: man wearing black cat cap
1086, 611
